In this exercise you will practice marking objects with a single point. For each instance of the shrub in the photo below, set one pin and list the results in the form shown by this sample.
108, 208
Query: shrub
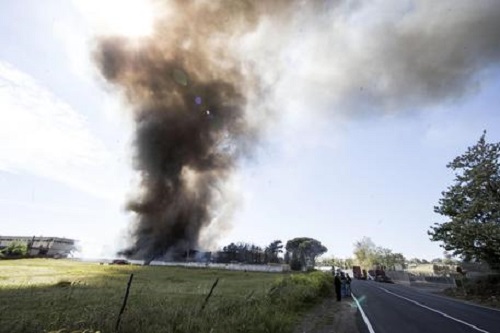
488, 285
297, 290
16, 249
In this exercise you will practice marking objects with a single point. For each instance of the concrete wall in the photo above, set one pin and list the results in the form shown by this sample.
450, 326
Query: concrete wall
6, 240
420, 280
399, 277
429, 281
49, 246
231, 267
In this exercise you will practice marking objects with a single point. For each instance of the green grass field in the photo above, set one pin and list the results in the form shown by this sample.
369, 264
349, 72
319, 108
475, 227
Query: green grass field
43, 295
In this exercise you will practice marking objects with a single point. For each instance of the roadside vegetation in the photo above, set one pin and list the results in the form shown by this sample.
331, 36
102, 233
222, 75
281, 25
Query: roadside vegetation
472, 232
472, 206
43, 295
14, 250
483, 290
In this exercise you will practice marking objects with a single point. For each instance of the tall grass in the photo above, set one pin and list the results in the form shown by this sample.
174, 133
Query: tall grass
68, 296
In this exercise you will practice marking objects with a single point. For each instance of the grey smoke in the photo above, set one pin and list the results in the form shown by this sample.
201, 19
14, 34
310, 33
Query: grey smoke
204, 87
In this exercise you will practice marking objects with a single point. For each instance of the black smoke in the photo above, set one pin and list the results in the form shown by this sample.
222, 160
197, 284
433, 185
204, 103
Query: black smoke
189, 101
201, 85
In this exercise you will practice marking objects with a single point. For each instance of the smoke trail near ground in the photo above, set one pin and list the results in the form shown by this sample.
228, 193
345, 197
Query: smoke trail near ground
189, 98
202, 86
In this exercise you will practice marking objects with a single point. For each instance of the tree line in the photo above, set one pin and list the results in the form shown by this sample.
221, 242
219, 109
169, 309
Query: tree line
300, 253
368, 255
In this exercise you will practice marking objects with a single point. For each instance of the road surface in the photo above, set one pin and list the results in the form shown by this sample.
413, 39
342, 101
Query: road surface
392, 308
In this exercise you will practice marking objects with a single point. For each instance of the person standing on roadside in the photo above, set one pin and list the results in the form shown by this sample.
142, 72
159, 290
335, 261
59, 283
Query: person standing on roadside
348, 285
338, 284
343, 282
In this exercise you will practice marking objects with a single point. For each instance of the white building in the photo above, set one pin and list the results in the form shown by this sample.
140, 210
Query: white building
43, 246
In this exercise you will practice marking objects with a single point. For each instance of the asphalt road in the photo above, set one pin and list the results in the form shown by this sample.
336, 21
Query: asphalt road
394, 308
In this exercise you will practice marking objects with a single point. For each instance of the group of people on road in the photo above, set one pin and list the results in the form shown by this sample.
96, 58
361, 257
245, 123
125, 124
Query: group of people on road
342, 283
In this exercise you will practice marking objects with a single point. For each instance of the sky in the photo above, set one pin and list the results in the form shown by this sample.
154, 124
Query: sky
66, 141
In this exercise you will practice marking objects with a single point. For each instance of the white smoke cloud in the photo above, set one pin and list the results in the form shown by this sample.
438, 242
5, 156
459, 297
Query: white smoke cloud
346, 58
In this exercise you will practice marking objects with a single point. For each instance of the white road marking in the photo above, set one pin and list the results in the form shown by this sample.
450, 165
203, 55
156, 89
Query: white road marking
436, 311
363, 315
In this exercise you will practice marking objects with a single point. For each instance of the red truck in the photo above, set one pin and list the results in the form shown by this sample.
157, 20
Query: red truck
356, 272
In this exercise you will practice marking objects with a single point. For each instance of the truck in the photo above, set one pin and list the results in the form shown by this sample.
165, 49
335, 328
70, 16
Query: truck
380, 275
356, 272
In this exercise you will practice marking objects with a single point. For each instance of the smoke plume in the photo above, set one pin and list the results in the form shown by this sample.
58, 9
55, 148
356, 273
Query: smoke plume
203, 86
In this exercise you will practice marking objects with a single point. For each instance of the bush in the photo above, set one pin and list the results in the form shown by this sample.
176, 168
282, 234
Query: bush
486, 286
299, 290
16, 249
484, 290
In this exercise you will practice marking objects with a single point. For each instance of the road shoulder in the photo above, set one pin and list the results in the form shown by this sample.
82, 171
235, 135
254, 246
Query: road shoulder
492, 302
331, 316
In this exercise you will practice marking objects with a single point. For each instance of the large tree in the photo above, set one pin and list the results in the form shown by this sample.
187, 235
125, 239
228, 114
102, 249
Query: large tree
273, 250
304, 251
368, 255
365, 252
472, 205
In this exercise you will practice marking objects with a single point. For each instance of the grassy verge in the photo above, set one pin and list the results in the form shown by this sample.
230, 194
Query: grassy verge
484, 290
40, 295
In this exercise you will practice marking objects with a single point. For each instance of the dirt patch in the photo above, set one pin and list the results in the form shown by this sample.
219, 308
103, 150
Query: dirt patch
330, 317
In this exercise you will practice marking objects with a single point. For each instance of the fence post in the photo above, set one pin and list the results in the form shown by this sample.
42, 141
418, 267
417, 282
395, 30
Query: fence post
124, 302
209, 294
